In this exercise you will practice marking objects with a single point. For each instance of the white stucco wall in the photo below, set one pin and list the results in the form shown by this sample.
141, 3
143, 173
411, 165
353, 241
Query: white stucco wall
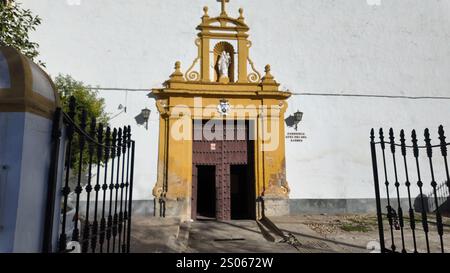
322, 46
24, 161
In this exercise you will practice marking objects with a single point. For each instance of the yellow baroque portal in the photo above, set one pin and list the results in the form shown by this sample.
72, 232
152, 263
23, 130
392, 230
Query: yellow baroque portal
221, 94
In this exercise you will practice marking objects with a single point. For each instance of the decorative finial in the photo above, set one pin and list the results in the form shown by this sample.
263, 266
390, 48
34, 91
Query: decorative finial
205, 16
177, 75
241, 14
224, 12
268, 78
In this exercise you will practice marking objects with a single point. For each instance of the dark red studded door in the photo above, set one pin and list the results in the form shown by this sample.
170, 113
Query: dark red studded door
221, 145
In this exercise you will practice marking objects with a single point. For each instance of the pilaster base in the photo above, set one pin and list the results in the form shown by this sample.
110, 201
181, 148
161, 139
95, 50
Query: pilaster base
272, 206
169, 208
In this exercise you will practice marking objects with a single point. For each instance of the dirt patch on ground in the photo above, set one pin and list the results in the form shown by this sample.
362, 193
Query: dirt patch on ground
326, 225
360, 233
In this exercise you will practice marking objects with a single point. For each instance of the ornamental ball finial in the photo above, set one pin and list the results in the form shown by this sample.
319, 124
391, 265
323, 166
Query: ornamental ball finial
177, 75
268, 78
205, 10
241, 14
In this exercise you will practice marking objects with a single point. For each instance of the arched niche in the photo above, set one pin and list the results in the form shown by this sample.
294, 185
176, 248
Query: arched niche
218, 49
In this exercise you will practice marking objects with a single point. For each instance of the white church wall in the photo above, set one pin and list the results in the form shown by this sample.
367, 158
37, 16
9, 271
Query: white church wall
322, 46
334, 161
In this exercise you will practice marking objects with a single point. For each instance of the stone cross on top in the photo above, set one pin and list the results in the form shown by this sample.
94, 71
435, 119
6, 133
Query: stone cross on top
223, 6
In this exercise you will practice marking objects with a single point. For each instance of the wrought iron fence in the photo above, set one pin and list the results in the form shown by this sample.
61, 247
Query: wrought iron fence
410, 171
97, 188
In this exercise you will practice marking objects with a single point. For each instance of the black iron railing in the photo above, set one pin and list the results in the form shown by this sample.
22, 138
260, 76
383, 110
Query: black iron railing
97, 186
409, 171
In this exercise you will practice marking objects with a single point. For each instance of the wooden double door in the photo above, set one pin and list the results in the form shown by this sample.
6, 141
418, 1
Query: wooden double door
223, 180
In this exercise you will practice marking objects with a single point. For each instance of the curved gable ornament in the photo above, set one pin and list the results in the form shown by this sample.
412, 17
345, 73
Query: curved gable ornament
224, 21
191, 74
217, 35
223, 58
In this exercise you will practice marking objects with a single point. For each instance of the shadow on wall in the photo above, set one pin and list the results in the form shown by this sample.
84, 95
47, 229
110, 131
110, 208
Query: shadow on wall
418, 206
140, 120
428, 205
290, 121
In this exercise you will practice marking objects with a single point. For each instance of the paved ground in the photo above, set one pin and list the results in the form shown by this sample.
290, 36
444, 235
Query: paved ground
231, 236
154, 235
304, 234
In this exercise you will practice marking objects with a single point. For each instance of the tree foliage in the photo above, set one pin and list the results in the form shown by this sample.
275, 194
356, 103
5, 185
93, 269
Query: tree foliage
16, 24
86, 99
85, 96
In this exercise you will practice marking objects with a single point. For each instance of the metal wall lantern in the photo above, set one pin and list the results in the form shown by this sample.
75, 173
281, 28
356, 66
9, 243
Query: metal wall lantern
146, 115
298, 116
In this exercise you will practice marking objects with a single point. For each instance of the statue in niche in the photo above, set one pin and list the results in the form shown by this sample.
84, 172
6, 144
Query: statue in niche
224, 64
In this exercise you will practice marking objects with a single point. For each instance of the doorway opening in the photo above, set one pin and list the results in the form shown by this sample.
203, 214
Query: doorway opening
242, 193
206, 191
223, 172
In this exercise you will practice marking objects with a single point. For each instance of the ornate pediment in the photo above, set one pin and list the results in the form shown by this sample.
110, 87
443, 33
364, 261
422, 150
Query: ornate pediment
216, 25
224, 23
223, 60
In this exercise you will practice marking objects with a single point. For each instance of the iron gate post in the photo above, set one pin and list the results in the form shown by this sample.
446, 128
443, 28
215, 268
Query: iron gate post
52, 182
130, 204
377, 190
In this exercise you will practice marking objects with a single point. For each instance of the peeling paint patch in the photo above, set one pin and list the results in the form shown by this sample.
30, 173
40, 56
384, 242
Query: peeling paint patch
176, 186
278, 185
